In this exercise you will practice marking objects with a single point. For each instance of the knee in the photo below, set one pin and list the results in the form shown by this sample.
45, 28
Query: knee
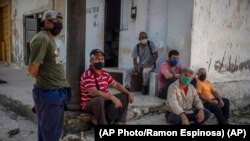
99, 102
226, 101
207, 114
123, 98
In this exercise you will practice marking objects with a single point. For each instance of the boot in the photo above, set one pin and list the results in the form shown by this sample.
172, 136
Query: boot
144, 90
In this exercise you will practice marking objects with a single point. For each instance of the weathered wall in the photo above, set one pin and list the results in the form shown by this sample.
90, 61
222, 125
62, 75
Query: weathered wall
19, 9
94, 26
180, 13
220, 43
29, 7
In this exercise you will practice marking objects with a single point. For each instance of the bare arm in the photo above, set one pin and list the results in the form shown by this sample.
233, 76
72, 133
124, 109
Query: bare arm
120, 88
33, 69
94, 92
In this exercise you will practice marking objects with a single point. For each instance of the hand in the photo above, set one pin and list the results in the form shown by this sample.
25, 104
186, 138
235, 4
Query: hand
130, 98
200, 115
184, 119
221, 103
214, 101
116, 101
137, 69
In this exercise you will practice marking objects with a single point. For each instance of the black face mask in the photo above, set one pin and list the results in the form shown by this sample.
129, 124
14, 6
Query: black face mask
99, 65
202, 77
56, 29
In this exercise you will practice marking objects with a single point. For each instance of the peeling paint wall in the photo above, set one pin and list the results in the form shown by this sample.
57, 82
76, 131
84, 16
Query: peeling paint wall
21, 8
221, 39
221, 44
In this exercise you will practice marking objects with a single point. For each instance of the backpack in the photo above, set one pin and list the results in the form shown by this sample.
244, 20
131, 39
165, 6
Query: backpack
151, 52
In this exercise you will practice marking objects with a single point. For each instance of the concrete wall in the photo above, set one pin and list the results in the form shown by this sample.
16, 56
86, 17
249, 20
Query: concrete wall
180, 14
19, 9
94, 26
220, 43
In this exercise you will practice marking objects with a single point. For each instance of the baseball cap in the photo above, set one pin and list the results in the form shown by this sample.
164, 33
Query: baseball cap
51, 14
96, 52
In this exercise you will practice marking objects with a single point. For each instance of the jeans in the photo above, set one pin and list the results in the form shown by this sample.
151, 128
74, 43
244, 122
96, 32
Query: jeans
221, 114
50, 106
176, 119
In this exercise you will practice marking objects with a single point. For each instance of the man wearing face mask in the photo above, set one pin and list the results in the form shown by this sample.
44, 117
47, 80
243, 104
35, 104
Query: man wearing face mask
169, 71
183, 103
51, 91
211, 99
147, 54
95, 96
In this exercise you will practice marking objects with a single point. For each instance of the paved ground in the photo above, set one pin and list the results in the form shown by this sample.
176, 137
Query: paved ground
16, 128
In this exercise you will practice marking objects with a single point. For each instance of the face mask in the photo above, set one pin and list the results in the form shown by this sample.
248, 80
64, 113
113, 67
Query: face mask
56, 29
99, 65
174, 62
186, 80
202, 77
144, 41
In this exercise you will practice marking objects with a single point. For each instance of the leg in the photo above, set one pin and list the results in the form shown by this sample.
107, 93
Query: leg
173, 118
128, 78
193, 119
38, 107
52, 122
97, 108
145, 75
123, 111
214, 108
225, 109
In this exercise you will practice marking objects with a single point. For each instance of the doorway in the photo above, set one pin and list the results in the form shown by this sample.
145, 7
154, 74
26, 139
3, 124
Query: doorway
111, 32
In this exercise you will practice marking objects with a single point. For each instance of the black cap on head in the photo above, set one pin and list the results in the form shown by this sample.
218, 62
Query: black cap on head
96, 52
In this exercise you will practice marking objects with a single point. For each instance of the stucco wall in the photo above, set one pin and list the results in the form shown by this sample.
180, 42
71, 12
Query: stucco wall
94, 26
220, 43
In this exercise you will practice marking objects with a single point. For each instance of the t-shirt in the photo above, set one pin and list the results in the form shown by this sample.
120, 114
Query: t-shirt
43, 50
145, 56
205, 88
165, 68
88, 81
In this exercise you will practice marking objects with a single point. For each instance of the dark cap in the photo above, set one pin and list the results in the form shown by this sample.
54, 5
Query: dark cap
96, 52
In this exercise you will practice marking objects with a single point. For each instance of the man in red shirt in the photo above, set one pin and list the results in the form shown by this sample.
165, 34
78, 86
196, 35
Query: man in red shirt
95, 96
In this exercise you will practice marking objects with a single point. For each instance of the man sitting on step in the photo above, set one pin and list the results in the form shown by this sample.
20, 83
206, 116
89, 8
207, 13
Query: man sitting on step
95, 96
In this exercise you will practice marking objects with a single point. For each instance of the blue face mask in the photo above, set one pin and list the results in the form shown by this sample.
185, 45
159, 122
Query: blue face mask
174, 62
186, 80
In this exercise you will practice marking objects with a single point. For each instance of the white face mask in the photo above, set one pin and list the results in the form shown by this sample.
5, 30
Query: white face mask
144, 41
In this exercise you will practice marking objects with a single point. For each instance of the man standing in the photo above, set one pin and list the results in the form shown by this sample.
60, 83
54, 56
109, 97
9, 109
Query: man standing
95, 96
183, 103
147, 54
211, 99
51, 91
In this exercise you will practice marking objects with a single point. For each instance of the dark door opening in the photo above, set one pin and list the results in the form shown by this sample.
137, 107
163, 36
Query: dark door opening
111, 34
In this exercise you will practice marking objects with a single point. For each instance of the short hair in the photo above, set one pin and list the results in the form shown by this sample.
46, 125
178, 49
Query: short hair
173, 52
184, 70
